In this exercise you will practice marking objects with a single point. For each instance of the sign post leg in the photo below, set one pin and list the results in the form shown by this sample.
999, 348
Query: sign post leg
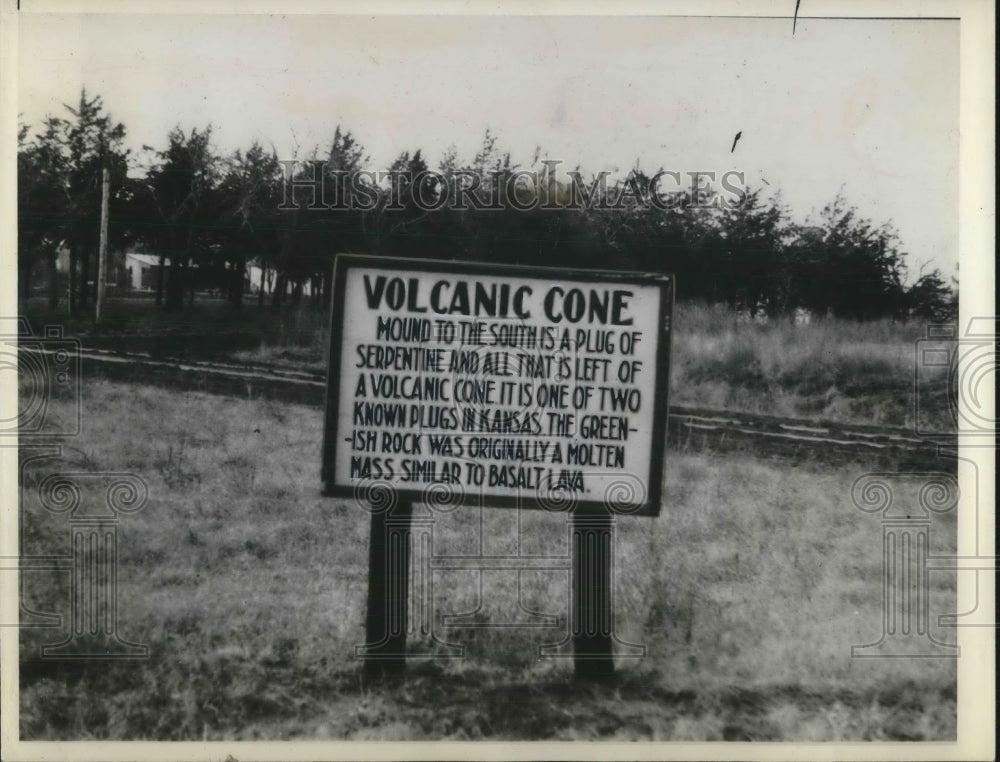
592, 613
388, 585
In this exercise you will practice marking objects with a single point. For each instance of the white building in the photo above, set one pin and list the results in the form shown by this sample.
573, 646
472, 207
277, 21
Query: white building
253, 273
142, 270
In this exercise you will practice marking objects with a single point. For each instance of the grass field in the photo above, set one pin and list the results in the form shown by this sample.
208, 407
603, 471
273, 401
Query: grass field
249, 588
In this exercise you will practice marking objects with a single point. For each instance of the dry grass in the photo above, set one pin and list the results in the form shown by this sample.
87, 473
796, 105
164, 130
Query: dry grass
833, 369
249, 588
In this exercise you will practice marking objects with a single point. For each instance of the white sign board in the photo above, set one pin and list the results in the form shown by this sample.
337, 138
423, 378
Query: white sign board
498, 385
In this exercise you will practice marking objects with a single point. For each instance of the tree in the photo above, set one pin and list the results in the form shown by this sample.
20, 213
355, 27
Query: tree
338, 217
754, 261
850, 268
72, 154
40, 201
249, 195
930, 298
349, 225
179, 189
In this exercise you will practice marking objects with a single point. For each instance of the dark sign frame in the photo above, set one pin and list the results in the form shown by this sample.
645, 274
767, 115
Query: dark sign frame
331, 440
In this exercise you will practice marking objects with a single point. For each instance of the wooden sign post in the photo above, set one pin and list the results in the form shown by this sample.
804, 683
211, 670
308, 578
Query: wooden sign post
592, 614
506, 386
388, 583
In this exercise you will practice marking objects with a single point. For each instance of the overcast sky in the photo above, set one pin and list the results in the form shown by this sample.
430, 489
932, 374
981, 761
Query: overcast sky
870, 106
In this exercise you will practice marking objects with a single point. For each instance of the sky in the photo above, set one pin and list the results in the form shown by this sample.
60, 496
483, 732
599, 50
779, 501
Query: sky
869, 107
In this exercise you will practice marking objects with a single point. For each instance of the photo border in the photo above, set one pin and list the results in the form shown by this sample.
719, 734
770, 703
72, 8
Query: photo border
976, 678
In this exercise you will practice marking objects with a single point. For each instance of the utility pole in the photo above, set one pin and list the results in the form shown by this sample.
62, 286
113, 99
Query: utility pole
102, 252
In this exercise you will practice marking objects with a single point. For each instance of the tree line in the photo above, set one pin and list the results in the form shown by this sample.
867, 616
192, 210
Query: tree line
210, 215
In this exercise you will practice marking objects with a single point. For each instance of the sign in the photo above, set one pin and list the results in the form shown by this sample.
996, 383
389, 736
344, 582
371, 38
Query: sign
498, 385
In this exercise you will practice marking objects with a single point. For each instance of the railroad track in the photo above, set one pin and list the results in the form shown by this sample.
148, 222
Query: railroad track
689, 429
